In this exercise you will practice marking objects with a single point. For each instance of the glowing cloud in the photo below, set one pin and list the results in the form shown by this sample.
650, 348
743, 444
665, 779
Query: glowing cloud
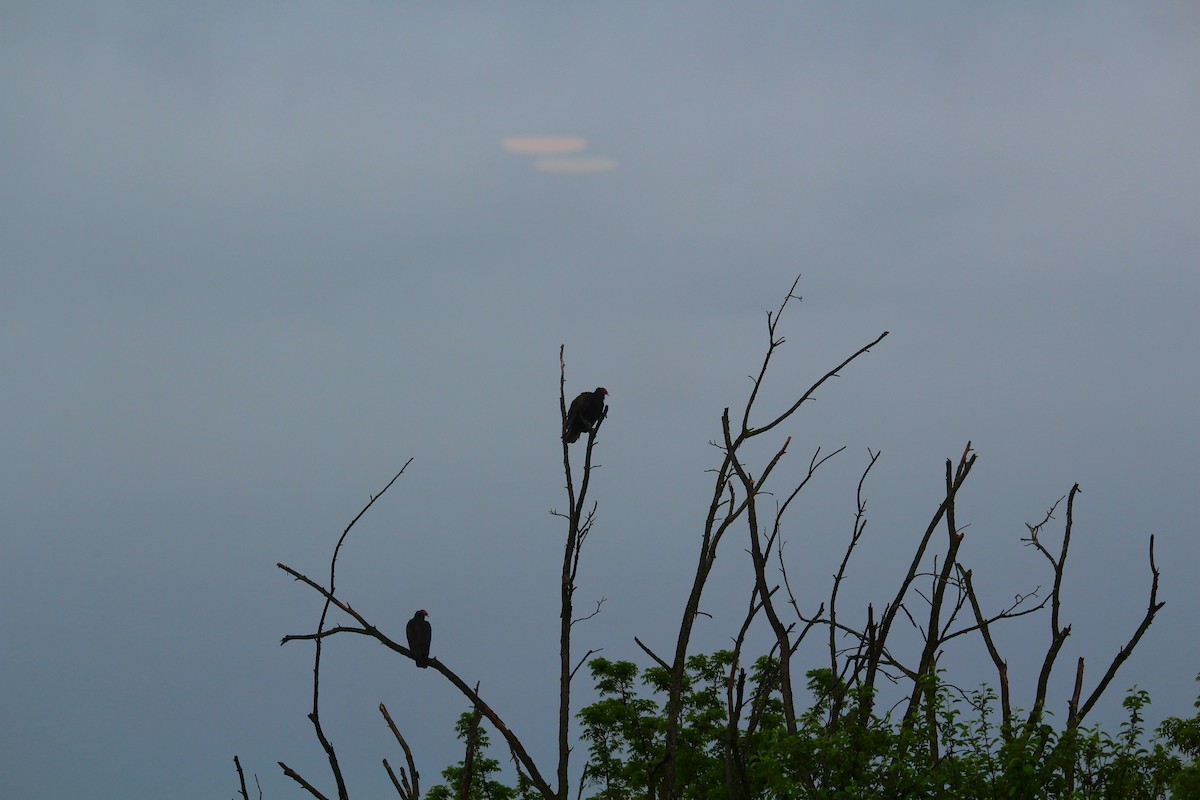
543, 145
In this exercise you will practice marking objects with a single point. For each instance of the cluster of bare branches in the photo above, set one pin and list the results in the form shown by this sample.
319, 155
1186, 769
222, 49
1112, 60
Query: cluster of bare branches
935, 597
735, 498
363, 627
858, 657
580, 521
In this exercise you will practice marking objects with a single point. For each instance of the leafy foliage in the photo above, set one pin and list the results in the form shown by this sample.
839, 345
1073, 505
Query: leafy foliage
483, 785
842, 751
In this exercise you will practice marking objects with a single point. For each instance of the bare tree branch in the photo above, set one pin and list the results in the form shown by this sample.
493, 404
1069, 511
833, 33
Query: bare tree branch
876, 652
410, 791
927, 665
291, 773
599, 604
984, 626
367, 629
402, 789
759, 559
578, 527
736, 781
1154, 605
1058, 634
652, 654
583, 660
582, 780
315, 715
722, 514
241, 778
860, 525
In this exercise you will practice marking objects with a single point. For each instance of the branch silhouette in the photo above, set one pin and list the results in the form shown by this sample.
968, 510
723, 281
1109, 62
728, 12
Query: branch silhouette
365, 628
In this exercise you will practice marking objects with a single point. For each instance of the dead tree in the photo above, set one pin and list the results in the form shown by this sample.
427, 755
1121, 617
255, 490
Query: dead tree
871, 654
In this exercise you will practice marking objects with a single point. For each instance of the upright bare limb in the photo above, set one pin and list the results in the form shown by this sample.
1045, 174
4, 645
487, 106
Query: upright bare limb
724, 510
242, 780
758, 557
1001, 665
875, 653
860, 525
1058, 634
579, 525
923, 688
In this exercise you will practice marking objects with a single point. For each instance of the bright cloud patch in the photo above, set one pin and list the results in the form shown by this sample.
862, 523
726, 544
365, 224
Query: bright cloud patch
544, 145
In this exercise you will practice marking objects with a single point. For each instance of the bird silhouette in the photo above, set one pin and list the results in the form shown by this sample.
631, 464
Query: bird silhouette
419, 634
585, 411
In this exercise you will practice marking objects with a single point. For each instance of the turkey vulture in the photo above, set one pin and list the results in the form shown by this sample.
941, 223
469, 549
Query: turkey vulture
584, 412
419, 634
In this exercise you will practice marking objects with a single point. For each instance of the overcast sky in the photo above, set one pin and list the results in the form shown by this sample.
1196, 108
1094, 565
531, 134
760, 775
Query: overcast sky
253, 257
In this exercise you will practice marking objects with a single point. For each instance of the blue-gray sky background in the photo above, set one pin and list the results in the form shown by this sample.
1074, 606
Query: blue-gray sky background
254, 257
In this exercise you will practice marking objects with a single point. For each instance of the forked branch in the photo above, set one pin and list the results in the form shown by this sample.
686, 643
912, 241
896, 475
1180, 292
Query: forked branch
365, 628
408, 790
722, 514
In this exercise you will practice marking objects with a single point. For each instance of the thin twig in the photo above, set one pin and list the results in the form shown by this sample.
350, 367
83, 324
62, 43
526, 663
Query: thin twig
315, 715
583, 660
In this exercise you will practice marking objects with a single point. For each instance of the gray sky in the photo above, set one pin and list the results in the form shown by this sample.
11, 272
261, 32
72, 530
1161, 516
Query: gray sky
256, 257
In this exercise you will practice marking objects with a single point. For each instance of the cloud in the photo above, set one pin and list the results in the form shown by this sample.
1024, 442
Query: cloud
544, 145
556, 152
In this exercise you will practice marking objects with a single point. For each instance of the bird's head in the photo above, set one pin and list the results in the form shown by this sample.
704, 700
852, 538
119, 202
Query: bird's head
601, 391
422, 613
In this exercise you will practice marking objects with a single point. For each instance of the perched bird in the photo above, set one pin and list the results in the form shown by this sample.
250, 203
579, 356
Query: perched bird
419, 634
584, 412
